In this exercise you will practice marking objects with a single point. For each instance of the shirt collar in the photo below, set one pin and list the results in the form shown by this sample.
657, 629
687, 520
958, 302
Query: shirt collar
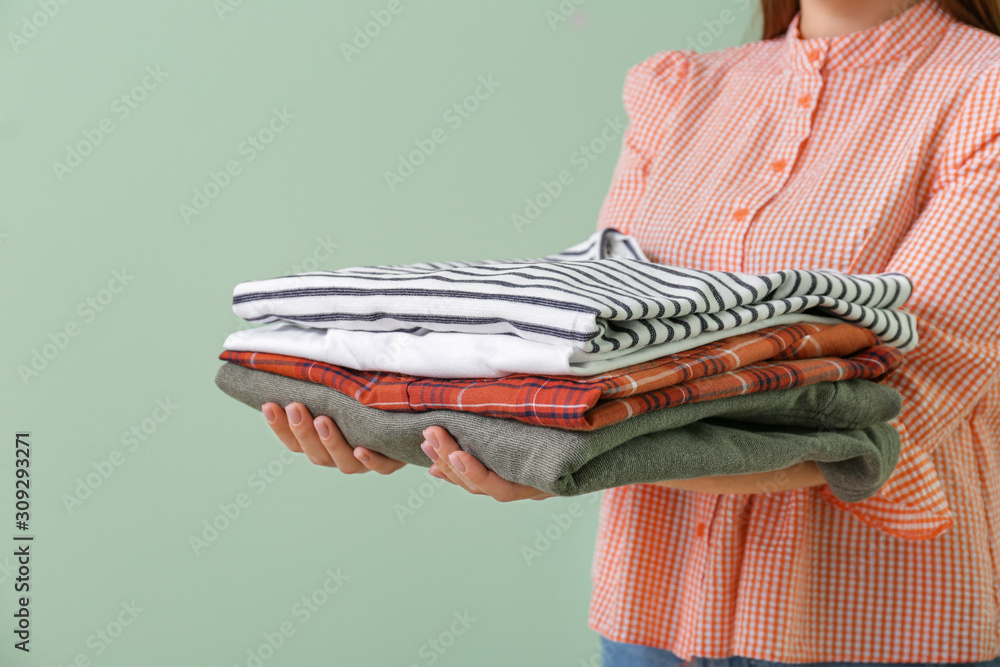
906, 32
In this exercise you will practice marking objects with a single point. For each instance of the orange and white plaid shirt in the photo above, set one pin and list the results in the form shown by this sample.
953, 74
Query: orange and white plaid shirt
868, 152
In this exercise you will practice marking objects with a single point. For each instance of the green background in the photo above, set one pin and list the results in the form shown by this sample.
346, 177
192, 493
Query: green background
320, 184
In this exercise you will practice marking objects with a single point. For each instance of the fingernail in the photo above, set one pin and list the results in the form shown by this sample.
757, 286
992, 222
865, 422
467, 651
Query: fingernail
431, 438
361, 456
294, 416
322, 428
456, 462
269, 414
428, 450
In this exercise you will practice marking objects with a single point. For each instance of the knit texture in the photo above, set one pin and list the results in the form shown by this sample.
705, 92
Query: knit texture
840, 425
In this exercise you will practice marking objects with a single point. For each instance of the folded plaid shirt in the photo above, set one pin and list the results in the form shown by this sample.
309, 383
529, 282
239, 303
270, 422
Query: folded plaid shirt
769, 359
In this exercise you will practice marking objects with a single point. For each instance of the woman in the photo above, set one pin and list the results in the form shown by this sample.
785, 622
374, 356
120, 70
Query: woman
862, 136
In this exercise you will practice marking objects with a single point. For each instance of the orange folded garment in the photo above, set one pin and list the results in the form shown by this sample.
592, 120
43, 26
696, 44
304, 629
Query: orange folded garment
769, 359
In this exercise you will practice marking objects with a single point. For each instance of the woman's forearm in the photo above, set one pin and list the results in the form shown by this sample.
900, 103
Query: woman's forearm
799, 476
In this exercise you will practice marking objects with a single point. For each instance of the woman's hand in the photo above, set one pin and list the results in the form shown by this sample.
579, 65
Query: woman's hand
322, 442
798, 476
453, 464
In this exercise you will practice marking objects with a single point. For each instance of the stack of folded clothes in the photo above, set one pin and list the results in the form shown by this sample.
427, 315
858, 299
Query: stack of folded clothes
589, 369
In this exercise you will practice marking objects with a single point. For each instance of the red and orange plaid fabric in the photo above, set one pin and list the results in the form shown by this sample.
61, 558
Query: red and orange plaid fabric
769, 359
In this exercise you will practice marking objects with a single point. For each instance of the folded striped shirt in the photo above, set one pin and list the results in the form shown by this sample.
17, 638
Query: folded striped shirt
599, 305
769, 360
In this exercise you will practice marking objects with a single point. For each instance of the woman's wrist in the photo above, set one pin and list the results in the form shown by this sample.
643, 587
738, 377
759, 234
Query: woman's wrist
799, 476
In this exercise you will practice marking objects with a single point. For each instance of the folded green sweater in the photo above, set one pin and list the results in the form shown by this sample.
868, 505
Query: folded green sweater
842, 426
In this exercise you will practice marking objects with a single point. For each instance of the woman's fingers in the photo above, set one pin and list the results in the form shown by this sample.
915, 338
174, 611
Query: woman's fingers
380, 463
301, 424
336, 446
465, 470
438, 445
322, 442
476, 474
278, 421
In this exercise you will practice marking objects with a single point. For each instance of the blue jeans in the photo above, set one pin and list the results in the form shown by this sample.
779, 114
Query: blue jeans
617, 654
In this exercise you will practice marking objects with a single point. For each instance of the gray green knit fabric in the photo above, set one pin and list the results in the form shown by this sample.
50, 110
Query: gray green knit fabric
839, 425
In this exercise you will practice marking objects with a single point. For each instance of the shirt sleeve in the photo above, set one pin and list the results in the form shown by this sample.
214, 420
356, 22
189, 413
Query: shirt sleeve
650, 90
952, 255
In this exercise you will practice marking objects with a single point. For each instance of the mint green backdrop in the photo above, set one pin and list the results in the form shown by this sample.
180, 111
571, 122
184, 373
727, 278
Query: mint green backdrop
154, 154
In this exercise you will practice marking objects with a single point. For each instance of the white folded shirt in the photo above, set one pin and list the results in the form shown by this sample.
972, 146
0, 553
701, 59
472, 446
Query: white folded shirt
460, 355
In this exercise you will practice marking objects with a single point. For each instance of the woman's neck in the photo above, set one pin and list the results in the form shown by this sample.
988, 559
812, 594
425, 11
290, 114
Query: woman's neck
830, 18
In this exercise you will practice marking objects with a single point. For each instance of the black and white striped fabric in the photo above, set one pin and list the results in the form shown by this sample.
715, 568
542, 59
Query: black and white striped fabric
600, 296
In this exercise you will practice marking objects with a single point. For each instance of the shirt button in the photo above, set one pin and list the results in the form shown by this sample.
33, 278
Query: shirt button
805, 101
814, 55
779, 165
741, 214
699, 530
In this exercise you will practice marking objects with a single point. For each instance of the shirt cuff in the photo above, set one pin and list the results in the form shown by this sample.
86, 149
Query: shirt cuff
912, 504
